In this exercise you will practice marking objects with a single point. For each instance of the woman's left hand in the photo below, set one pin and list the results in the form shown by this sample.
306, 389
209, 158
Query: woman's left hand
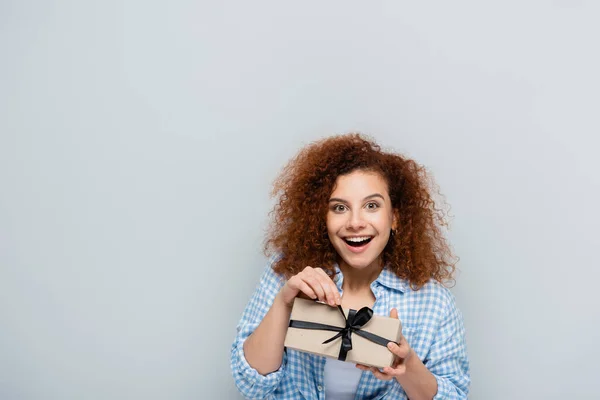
402, 352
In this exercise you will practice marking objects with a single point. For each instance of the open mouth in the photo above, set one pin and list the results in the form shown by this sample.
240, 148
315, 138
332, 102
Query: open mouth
358, 241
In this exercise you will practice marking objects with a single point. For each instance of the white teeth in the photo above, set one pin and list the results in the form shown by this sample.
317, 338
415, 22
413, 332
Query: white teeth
358, 239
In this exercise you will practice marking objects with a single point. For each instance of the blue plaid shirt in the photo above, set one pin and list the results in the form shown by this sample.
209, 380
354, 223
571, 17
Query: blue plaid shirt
431, 324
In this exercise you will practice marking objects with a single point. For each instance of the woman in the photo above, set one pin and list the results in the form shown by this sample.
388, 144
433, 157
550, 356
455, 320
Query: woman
354, 226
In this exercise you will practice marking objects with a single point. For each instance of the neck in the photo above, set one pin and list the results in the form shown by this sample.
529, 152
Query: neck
357, 280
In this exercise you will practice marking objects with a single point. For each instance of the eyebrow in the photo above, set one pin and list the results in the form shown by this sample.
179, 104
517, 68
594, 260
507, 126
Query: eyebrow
366, 198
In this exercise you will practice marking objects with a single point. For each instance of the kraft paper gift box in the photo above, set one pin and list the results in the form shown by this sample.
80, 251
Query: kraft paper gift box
358, 337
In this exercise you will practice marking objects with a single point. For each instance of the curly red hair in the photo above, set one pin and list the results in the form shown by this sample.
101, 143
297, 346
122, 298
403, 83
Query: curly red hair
418, 252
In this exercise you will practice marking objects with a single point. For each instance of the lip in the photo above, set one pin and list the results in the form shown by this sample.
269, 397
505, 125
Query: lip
357, 250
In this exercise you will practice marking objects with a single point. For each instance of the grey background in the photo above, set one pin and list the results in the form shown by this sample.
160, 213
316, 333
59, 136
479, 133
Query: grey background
138, 141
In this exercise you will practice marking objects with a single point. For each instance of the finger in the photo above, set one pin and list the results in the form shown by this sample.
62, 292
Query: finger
322, 282
380, 375
304, 288
332, 292
300, 287
394, 313
312, 280
397, 371
322, 285
401, 350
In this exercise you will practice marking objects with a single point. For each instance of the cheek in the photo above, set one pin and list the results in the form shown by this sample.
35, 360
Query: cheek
333, 223
329, 224
384, 224
332, 236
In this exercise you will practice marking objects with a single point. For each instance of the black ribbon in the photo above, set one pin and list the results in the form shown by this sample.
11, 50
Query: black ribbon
355, 321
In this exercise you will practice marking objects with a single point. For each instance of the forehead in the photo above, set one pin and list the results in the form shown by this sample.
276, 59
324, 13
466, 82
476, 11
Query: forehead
359, 184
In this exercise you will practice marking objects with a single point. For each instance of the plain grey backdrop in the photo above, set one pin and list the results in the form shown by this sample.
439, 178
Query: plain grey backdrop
139, 140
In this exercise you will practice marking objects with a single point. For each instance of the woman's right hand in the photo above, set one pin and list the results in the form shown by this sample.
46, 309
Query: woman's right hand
312, 282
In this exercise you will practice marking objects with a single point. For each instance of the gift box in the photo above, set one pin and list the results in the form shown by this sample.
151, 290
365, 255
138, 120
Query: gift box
355, 336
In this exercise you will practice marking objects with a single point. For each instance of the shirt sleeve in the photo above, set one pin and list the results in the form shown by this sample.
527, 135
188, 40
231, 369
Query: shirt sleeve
447, 358
248, 380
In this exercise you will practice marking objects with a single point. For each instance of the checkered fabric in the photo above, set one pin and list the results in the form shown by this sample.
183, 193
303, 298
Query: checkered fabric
431, 324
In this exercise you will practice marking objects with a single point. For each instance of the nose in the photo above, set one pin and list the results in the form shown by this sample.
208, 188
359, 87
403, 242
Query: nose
355, 221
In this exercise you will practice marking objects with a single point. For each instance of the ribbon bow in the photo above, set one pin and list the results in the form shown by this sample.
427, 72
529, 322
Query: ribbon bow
354, 323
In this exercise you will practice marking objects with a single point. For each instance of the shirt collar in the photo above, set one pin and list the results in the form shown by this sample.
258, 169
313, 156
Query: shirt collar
390, 280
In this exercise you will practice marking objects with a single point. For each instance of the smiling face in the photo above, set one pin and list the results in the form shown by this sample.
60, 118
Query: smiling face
359, 218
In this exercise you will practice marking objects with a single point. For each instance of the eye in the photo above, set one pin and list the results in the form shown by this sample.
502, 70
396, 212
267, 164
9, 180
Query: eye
338, 208
372, 205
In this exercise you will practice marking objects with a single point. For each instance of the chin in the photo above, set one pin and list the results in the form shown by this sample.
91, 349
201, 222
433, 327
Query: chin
357, 263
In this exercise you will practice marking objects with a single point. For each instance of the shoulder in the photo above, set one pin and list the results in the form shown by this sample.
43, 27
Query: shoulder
427, 306
435, 301
434, 293
271, 279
